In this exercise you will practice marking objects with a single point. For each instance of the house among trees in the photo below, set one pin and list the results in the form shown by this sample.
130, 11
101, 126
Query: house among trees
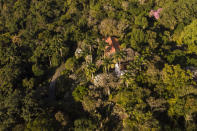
113, 46
111, 49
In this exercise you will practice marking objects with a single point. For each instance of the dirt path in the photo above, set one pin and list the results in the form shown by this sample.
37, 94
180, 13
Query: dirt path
53, 81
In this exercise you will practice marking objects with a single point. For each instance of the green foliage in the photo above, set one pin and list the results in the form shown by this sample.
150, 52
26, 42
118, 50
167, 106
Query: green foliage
90, 70
37, 70
157, 56
10, 109
41, 123
175, 79
107, 64
181, 11
62, 118
192, 61
141, 121
84, 125
18, 127
31, 104
29, 83
141, 21
55, 60
132, 102
89, 104
79, 92
70, 64
177, 57
137, 38
188, 37
183, 107
108, 27
176, 87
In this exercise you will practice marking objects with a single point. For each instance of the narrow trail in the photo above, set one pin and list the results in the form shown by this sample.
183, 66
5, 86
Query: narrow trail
53, 81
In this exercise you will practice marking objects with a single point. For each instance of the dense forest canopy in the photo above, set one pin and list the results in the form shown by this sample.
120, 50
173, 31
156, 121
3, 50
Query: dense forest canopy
88, 65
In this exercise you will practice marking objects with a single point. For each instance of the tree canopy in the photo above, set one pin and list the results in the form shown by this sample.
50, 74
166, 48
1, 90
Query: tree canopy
56, 72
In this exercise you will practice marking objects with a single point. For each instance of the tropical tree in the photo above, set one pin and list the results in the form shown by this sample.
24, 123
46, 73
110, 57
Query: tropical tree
90, 42
177, 86
119, 55
180, 11
79, 92
107, 64
101, 49
90, 69
188, 37
43, 122
70, 64
84, 124
176, 80
137, 64
10, 109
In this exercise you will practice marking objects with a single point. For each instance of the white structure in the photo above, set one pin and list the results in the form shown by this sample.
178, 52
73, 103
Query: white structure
78, 52
118, 71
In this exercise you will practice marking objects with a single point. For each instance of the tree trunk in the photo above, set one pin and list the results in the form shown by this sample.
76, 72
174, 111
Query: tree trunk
61, 52
49, 61
92, 76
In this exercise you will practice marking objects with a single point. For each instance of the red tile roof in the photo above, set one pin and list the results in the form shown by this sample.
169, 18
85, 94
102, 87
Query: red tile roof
113, 45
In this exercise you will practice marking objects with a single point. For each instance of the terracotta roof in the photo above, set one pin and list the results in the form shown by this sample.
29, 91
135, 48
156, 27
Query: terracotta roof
113, 45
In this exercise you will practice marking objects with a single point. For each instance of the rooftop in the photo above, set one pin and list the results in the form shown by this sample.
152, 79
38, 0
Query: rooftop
113, 45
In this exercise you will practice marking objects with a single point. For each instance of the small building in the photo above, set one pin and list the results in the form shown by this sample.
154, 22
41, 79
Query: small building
113, 46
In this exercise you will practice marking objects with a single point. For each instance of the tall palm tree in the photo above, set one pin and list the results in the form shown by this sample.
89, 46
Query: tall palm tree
101, 49
119, 55
90, 70
127, 78
137, 64
106, 64
90, 42
102, 46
